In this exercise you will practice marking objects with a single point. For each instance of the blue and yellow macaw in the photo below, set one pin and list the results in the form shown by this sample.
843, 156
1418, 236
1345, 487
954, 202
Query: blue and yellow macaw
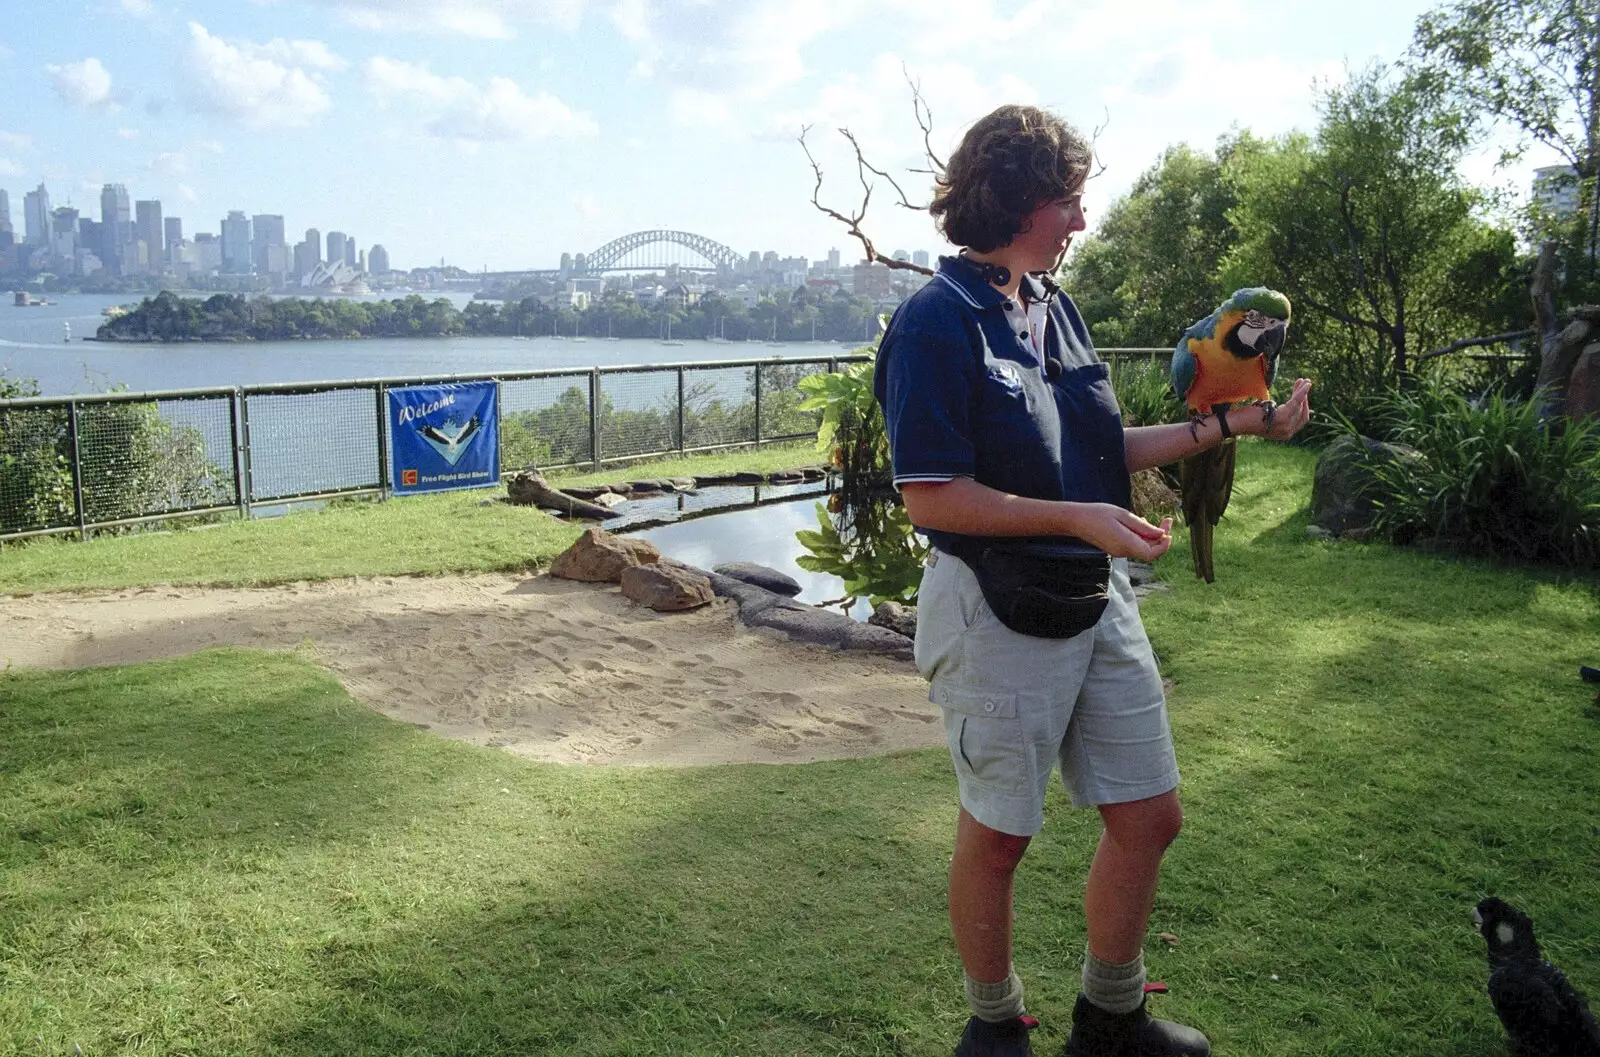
1229, 357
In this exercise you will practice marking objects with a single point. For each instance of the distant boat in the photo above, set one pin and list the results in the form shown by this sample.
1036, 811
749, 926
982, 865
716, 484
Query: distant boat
668, 340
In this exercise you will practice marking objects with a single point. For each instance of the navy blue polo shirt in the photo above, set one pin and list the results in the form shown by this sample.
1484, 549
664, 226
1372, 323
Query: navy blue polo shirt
964, 394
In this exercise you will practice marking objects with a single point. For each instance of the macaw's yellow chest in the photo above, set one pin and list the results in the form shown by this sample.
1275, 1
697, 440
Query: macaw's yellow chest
1223, 379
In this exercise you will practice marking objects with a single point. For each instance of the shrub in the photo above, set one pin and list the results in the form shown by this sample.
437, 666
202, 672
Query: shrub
1495, 478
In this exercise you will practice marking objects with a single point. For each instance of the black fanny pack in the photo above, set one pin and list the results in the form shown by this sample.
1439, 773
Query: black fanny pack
1049, 597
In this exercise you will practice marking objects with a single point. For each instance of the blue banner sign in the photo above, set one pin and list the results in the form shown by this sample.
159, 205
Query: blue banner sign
443, 437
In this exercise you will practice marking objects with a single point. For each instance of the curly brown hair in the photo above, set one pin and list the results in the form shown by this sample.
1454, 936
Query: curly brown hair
1008, 164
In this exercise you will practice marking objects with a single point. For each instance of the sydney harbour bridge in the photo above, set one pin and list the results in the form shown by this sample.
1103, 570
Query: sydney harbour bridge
640, 251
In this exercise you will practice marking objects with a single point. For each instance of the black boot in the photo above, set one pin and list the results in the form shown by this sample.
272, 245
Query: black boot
1007, 1038
1096, 1033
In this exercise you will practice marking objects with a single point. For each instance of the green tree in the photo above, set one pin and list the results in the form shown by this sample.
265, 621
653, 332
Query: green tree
1363, 226
1151, 268
1534, 64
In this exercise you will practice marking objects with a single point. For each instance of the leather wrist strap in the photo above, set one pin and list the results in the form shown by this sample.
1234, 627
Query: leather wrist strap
1222, 424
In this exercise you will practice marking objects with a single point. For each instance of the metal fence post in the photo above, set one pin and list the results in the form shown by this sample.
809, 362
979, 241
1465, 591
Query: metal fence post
238, 454
758, 405
594, 417
247, 483
77, 470
681, 440
383, 441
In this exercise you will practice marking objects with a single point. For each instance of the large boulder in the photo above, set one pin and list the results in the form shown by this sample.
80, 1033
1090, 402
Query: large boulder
902, 620
666, 588
600, 557
761, 576
1341, 489
1583, 385
1153, 498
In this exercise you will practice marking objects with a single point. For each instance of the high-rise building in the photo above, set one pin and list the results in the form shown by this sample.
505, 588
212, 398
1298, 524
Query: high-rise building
350, 250
147, 229
361, 262
268, 248
5, 211
64, 232
116, 229
1555, 190
236, 243
36, 217
920, 258
207, 253
335, 248
172, 235
314, 237
833, 260
378, 260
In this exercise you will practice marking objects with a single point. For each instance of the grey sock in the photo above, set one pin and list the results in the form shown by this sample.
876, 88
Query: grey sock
996, 1002
1115, 988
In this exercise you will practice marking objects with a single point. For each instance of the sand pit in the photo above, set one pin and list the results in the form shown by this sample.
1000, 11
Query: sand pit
547, 669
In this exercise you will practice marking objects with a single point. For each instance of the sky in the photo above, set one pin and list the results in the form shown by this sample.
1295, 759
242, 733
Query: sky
500, 133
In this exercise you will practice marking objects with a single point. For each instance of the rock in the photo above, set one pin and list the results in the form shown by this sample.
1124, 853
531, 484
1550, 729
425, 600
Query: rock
1357, 533
683, 484
529, 488
1340, 489
761, 576
1583, 385
611, 499
1141, 573
652, 486
600, 557
1153, 498
902, 620
731, 478
666, 588
787, 477
1317, 532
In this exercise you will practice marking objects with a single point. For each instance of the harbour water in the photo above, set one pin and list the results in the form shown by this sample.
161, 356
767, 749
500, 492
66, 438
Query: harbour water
31, 347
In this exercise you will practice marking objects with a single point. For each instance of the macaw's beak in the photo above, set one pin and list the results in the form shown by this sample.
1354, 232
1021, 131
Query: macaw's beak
1271, 341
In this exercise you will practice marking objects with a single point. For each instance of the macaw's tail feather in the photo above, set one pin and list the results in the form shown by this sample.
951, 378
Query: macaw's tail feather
1207, 483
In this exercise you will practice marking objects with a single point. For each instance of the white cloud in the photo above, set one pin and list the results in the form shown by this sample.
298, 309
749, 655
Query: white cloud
15, 141
490, 19
172, 162
458, 109
744, 48
188, 195
260, 85
86, 84
127, 133
136, 8
9, 168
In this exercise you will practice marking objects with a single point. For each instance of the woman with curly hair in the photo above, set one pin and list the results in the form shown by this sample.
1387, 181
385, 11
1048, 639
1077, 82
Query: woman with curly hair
1009, 452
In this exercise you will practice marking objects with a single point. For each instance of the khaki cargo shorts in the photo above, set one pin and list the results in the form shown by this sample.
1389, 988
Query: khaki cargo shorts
1015, 705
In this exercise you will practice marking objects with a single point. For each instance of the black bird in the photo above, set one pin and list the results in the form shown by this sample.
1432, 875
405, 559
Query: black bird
1544, 1016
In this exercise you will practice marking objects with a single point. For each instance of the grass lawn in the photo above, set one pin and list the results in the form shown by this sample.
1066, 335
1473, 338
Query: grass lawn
447, 532
225, 854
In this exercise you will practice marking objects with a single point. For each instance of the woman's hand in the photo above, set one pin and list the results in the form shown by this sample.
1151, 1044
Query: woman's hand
1293, 414
1120, 533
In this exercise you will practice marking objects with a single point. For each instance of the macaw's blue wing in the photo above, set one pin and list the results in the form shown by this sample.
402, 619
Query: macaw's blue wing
1183, 368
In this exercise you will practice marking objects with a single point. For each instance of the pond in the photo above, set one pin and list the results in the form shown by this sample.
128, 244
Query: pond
763, 523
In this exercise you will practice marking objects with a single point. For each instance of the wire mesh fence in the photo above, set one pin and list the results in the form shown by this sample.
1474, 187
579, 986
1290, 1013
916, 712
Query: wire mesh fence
312, 441
91, 463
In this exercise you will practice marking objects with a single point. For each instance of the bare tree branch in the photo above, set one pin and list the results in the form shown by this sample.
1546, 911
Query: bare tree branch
862, 163
852, 223
1467, 343
924, 115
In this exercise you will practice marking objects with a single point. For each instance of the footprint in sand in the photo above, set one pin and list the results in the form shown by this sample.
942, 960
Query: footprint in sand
642, 645
780, 698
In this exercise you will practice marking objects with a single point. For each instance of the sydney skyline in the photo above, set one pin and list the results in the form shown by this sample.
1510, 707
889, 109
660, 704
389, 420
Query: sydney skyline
501, 133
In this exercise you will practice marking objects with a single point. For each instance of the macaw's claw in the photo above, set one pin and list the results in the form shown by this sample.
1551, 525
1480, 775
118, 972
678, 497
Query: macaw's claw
1269, 413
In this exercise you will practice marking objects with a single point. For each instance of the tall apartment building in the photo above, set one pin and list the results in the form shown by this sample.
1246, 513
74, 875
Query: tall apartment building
236, 243
116, 229
172, 237
378, 260
147, 227
269, 251
336, 242
36, 216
